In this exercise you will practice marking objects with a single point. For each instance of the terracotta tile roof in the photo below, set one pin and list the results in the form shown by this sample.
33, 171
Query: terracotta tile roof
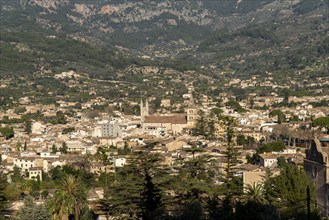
268, 156
173, 119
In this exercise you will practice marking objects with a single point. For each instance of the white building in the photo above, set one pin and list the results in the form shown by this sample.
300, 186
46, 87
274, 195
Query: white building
268, 160
111, 129
24, 163
119, 162
35, 173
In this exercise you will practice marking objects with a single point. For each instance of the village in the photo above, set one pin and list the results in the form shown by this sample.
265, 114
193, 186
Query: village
71, 134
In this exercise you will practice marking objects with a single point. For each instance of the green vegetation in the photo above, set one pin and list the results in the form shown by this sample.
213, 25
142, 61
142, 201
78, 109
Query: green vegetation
7, 132
63, 149
279, 114
322, 122
68, 200
235, 106
242, 140
54, 149
272, 146
68, 130
30, 210
288, 192
3, 197
147, 188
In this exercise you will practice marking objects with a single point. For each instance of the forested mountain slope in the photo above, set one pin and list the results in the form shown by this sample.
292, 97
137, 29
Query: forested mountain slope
100, 36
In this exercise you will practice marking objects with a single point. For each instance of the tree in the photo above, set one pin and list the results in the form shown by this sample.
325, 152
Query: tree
54, 149
3, 198
251, 210
64, 148
216, 111
7, 132
229, 135
25, 146
201, 124
251, 103
233, 184
272, 146
282, 161
135, 191
69, 199
102, 155
32, 211
281, 117
247, 141
285, 96
322, 122
235, 105
60, 205
193, 150
28, 126
68, 130
255, 193
151, 198
71, 185
288, 191
16, 175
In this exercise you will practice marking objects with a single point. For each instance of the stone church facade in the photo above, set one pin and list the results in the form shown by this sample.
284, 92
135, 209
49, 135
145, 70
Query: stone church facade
316, 167
173, 124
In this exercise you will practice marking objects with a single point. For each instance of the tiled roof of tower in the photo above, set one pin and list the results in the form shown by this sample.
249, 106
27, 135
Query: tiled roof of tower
173, 119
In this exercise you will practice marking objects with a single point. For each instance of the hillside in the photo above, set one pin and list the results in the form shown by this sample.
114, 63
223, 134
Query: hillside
98, 37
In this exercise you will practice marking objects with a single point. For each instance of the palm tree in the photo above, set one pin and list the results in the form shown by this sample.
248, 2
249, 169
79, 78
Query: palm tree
69, 199
71, 185
60, 205
255, 194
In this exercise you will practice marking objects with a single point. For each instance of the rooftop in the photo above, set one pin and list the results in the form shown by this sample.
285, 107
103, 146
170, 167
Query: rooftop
173, 119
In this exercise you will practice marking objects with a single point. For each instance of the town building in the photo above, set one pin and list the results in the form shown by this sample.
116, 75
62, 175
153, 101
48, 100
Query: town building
268, 160
111, 129
316, 166
173, 124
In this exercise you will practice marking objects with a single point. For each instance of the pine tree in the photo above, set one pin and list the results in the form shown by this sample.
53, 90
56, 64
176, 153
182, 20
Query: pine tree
28, 126
150, 198
3, 199
201, 124
135, 193
32, 211
288, 191
54, 149
64, 148
16, 175
233, 183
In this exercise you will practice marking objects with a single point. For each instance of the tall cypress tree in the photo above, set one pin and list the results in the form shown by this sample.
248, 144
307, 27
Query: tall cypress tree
233, 183
3, 200
151, 198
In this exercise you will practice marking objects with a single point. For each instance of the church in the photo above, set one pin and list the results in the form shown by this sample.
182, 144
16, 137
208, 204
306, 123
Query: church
316, 166
173, 124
